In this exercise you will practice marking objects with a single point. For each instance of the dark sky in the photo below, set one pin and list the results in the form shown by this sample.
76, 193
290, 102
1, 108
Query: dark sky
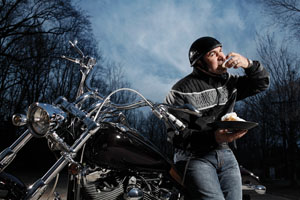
151, 38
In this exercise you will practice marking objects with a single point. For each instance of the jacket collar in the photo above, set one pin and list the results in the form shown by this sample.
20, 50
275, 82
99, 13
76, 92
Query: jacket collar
210, 77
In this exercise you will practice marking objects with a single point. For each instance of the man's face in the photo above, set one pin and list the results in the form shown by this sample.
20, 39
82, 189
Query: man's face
214, 60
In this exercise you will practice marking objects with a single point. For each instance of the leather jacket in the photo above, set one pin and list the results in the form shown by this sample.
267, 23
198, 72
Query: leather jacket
213, 96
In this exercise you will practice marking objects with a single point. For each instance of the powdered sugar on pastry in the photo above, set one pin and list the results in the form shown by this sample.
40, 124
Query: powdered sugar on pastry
231, 117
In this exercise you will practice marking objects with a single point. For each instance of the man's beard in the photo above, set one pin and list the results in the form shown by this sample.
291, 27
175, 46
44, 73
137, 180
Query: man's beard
220, 70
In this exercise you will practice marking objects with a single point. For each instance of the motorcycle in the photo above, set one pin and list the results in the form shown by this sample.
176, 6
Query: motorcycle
105, 157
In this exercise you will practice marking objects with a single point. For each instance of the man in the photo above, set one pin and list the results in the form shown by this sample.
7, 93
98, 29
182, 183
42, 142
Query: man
210, 168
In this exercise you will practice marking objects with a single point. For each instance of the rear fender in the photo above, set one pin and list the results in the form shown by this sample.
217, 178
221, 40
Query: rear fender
251, 182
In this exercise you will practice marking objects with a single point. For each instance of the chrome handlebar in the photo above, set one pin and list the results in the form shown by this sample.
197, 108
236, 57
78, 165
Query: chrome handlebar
87, 64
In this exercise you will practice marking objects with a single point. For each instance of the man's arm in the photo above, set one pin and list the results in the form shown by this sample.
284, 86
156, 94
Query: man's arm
223, 135
257, 79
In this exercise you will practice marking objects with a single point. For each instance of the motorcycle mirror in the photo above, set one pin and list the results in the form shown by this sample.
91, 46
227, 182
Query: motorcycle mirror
74, 45
19, 120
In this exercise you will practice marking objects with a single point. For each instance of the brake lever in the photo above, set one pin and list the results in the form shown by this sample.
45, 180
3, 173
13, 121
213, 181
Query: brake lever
176, 124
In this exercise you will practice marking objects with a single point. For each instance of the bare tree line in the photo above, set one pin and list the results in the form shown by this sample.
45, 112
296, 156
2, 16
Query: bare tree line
33, 36
275, 144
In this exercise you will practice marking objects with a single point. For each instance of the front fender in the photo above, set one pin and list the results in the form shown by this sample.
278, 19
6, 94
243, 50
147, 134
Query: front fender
11, 187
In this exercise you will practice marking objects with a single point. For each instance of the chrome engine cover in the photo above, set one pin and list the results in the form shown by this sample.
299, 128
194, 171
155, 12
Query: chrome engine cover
114, 185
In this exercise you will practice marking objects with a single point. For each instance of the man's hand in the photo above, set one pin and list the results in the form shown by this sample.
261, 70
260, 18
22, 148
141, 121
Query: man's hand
237, 61
223, 135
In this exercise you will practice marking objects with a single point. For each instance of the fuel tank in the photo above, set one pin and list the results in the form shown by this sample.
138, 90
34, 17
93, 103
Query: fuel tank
116, 146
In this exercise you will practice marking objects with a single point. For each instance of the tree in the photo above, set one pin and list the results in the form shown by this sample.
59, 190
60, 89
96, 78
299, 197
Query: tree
286, 14
277, 110
33, 36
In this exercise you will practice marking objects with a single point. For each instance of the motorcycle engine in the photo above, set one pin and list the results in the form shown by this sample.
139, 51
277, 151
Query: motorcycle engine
114, 185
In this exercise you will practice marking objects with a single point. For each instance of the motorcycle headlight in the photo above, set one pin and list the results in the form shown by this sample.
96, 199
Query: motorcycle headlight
43, 118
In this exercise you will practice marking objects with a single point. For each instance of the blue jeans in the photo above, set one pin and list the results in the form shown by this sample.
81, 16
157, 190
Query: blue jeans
215, 175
